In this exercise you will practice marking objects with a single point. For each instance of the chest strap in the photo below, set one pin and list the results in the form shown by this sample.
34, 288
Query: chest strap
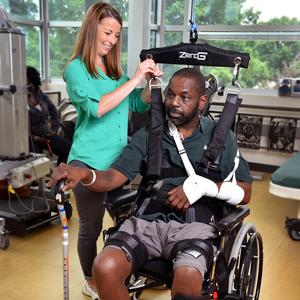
185, 160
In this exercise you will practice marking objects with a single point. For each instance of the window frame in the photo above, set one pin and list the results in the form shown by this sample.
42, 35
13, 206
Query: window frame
138, 7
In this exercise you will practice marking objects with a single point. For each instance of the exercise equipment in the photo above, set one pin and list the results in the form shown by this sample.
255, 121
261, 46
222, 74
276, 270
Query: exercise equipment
285, 183
19, 169
13, 91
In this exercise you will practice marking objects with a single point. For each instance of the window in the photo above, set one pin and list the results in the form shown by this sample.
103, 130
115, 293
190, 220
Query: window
66, 10
270, 36
24, 9
32, 45
61, 43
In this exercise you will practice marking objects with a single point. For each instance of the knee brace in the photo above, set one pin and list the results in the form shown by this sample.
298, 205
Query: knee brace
131, 245
203, 246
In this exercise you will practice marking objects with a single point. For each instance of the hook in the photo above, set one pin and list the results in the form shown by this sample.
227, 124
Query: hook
149, 56
156, 84
237, 61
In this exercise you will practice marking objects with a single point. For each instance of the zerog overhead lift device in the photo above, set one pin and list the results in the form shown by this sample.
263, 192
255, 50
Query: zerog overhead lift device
18, 167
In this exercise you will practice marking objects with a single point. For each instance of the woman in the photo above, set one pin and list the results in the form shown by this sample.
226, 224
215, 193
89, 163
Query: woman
103, 96
44, 120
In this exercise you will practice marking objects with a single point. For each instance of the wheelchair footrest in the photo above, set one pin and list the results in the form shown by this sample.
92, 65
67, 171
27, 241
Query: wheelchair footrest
184, 297
232, 297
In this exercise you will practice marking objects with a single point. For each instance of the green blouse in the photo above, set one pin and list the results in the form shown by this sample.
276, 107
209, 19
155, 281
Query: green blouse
98, 141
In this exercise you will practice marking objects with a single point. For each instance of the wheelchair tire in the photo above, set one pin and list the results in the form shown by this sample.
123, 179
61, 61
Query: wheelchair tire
4, 241
247, 250
69, 209
294, 234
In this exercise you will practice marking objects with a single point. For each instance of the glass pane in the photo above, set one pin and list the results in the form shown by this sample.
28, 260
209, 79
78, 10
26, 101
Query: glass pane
26, 9
66, 10
153, 19
269, 62
122, 7
124, 54
174, 14
249, 12
169, 70
276, 9
172, 38
153, 38
61, 43
32, 45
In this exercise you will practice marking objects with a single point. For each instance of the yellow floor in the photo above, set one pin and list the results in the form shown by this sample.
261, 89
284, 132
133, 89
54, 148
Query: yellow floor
31, 268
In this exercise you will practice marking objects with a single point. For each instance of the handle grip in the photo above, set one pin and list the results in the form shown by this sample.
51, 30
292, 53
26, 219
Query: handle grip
59, 195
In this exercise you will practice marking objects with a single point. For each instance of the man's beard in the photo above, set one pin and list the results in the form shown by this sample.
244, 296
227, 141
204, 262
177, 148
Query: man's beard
182, 119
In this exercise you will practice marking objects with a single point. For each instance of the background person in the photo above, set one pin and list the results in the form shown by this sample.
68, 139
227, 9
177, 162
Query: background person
102, 95
157, 230
44, 120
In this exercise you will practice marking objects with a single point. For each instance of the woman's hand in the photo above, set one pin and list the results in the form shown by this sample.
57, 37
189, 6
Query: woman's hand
146, 70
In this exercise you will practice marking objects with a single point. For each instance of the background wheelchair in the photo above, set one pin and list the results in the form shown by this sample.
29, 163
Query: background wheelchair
236, 270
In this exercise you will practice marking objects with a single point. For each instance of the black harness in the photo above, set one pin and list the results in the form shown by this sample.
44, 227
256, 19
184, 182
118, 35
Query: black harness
158, 167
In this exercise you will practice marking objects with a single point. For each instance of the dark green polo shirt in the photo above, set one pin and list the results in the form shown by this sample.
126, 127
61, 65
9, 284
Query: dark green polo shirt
135, 153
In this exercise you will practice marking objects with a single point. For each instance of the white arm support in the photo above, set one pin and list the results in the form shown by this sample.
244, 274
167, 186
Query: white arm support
231, 193
196, 186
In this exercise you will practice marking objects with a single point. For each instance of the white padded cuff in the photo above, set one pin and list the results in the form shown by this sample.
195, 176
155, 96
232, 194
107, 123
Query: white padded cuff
196, 186
231, 193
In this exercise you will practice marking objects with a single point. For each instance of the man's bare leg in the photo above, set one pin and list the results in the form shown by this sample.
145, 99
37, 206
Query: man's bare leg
110, 269
187, 281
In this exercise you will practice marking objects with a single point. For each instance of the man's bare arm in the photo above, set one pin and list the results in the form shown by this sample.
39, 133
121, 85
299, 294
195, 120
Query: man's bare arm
105, 180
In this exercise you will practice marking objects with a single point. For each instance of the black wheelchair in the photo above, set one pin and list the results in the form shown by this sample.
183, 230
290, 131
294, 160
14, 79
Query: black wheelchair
235, 272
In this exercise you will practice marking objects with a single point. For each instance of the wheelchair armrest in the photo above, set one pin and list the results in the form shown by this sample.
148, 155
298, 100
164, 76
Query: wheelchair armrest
121, 200
233, 218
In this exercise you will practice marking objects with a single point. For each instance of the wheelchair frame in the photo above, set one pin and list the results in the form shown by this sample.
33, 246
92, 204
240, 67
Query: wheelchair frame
239, 257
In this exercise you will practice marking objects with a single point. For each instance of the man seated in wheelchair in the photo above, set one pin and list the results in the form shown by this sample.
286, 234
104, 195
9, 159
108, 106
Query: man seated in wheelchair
177, 224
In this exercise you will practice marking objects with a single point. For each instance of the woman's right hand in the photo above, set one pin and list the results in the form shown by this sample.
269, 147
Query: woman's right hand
146, 69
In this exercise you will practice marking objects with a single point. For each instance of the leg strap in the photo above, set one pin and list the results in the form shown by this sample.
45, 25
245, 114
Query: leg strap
203, 246
131, 245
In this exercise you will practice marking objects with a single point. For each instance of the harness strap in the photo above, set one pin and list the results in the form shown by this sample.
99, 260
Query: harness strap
231, 175
186, 162
157, 117
222, 128
131, 245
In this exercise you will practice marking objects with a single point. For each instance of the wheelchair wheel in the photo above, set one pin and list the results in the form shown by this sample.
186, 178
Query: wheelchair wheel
247, 251
4, 241
69, 209
293, 228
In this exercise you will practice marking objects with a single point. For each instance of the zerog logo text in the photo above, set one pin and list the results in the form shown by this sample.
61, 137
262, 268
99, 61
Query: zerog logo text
198, 55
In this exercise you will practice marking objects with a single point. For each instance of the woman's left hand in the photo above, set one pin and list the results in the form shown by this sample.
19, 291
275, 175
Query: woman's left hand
146, 70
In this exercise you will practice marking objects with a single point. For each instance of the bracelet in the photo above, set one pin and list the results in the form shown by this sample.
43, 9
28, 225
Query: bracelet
92, 181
